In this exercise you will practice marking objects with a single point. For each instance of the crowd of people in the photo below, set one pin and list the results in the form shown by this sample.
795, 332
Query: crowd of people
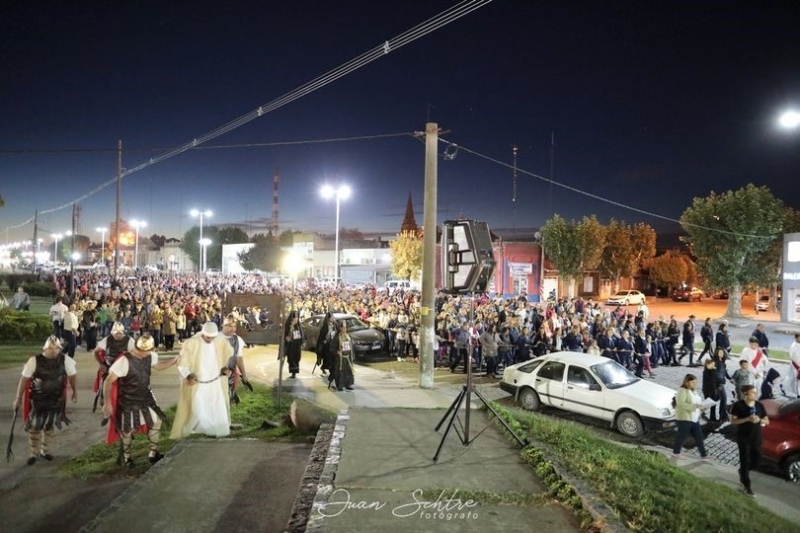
175, 310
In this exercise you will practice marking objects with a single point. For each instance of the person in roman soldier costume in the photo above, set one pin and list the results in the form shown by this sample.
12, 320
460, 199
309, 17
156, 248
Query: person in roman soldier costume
236, 361
107, 351
42, 393
131, 406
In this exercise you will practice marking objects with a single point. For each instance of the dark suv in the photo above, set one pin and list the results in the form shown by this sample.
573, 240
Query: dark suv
687, 294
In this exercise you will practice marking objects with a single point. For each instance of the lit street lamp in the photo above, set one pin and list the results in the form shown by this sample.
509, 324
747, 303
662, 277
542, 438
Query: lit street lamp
342, 192
137, 224
201, 214
789, 119
56, 236
204, 243
102, 232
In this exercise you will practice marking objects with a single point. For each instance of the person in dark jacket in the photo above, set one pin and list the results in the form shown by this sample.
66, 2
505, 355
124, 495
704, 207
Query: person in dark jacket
768, 384
688, 340
763, 341
722, 340
721, 376
673, 334
326, 333
707, 336
709, 383
293, 341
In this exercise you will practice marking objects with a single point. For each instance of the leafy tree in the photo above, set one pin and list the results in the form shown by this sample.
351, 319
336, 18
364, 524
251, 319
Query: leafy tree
729, 234
351, 234
616, 260
669, 270
218, 236
2, 202
158, 240
643, 245
266, 254
573, 247
406, 252
286, 237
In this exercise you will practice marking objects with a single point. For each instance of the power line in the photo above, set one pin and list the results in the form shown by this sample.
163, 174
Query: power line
208, 147
601, 198
421, 30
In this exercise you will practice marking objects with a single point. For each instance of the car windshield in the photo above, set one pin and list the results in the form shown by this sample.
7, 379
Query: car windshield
613, 375
354, 324
619, 294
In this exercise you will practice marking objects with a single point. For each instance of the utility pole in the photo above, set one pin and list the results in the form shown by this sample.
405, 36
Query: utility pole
428, 307
119, 195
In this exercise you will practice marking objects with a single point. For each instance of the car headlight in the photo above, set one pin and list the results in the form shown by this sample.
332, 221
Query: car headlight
666, 412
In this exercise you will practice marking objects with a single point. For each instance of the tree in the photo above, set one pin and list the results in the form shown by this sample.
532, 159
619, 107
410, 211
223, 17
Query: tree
616, 259
218, 236
643, 245
351, 234
729, 233
286, 237
573, 247
2, 202
158, 240
669, 270
406, 252
266, 254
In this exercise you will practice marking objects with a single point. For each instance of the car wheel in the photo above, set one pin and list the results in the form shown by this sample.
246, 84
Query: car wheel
629, 424
529, 399
791, 467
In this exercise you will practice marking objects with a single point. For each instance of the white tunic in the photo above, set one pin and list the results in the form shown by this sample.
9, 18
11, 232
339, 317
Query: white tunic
209, 414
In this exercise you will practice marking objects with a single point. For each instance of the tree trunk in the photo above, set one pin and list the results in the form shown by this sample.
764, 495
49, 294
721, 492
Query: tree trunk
735, 301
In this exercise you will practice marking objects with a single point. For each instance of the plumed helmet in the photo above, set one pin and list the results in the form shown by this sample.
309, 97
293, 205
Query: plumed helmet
52, 342
118, 328
145, 343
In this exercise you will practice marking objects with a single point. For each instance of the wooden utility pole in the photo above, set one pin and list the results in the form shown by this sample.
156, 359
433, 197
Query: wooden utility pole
428, 308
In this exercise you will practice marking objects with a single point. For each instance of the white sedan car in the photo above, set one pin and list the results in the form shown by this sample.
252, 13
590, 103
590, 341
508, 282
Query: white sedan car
594, 386
630, 297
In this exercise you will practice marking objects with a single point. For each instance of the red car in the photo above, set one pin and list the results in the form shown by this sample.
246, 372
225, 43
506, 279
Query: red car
781, 437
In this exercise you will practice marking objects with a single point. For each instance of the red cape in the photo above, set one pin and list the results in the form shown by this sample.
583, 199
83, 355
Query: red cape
112, 435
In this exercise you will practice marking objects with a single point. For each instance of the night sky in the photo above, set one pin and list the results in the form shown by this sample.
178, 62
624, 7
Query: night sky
649, 105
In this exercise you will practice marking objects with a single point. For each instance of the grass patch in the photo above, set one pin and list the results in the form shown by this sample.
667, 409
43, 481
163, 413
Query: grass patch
643, 490
15, 354
101, 459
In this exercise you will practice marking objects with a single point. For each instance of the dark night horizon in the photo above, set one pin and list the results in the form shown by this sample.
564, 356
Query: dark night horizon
649, 106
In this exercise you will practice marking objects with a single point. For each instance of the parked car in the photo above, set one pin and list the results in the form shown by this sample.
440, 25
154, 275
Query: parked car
781, 437
366, 340
594, 386
763, 302
629, 297
688, 294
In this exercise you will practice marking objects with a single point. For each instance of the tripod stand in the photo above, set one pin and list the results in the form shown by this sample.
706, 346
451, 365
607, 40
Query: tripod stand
465, 395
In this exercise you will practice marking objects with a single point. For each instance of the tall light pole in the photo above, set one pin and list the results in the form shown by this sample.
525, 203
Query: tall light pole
56, 236
137, 224
102, 232
201, 214
342, 192
204, 244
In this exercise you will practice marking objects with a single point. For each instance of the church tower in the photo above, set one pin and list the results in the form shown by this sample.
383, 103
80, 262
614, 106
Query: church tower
409, 222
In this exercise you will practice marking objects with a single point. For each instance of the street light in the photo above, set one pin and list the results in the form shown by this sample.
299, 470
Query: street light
789, 119
56, 236
204, 243
137, 224
102, 232
201, 214
342, 192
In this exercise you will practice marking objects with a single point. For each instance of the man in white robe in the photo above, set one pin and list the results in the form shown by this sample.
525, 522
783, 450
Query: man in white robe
203, 405
759, 363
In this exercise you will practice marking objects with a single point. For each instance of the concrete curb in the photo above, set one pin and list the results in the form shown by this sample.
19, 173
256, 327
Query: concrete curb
309, 485
328, 476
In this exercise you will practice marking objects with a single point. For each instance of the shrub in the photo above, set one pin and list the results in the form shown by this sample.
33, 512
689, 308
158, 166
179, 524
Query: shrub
19, 326
15, 280
39, 288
